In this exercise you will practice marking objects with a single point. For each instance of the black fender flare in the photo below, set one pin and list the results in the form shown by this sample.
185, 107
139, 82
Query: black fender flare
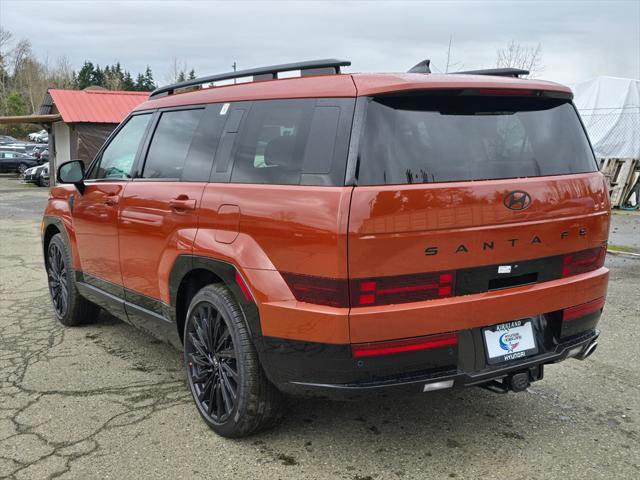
227, 272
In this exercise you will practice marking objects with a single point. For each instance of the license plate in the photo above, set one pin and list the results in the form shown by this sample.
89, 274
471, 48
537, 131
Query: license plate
509, 341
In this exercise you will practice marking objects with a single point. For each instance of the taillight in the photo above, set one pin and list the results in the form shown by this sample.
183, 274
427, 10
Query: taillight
360, 350
367, 292
401, 288
583, 309
319, 290
583, 261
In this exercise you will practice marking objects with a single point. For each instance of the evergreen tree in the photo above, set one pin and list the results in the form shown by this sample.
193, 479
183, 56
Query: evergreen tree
192, 74
149, 83
85, 76
181, 77
98, 77
140, 83
127, 82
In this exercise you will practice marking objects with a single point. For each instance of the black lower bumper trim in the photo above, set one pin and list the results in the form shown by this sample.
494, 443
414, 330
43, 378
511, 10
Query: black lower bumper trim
416, 383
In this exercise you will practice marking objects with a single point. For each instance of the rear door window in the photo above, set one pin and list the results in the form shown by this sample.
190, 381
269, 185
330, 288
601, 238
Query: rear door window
424, 139
170, 144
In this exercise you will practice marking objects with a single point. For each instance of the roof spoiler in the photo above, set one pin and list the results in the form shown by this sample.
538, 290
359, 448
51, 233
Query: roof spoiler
497, 72
311, 67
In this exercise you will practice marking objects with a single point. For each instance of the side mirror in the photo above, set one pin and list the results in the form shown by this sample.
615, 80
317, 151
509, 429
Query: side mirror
72, 172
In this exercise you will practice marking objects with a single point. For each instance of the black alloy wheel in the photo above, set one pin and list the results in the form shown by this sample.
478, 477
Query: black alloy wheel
70, 307
212, 363
57, 274
228, 384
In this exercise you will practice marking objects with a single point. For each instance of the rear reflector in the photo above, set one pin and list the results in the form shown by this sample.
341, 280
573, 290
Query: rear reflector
360, 350
243, 287
583, 309
583, 261
401, 288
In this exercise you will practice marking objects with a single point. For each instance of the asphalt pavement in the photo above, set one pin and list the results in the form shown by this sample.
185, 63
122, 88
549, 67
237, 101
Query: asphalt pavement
108, 401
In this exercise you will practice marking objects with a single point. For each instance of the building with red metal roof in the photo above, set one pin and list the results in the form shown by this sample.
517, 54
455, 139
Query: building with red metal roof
81, 120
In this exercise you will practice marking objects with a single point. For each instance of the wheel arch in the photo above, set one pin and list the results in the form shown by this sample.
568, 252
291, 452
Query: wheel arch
190, 273
52, 226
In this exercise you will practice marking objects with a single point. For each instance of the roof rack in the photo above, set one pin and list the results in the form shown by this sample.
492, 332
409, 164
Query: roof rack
310, 67
496, 72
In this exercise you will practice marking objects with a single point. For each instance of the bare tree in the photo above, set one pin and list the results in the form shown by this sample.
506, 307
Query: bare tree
177, 71
516, 55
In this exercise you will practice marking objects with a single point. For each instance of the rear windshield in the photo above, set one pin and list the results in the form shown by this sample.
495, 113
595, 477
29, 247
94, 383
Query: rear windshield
422, 139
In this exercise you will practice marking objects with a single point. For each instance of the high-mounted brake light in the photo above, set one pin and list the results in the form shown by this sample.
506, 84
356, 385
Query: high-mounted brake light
505, 91
583, 309
375, 349
583, 261
401, 288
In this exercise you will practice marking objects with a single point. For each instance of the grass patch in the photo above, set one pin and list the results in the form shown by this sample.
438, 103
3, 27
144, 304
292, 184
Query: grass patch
622, 248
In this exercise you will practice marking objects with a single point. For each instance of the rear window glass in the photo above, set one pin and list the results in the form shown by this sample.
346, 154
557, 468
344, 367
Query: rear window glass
455, 138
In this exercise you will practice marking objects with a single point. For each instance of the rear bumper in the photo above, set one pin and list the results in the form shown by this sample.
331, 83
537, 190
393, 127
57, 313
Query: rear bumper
311, 369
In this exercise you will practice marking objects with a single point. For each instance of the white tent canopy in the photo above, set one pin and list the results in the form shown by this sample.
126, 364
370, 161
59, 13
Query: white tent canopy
610, 109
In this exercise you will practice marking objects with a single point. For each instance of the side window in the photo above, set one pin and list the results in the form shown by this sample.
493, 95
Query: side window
170, 144
272, 142
117, 159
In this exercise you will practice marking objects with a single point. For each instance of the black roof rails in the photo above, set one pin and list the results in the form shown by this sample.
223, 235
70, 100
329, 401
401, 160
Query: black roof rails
311, 67
496, 72
422, 67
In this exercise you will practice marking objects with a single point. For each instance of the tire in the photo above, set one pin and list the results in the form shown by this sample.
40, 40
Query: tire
228, 385
21, 168
70, 307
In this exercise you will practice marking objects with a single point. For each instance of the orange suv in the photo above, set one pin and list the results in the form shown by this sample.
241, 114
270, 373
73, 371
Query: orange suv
340, 233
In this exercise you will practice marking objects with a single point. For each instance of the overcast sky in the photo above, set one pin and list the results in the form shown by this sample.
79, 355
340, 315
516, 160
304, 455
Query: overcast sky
579, 39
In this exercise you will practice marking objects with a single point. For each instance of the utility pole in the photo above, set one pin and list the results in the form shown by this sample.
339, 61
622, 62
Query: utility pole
235, 66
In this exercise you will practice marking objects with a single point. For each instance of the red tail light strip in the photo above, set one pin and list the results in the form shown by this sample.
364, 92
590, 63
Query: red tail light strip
360, 350
401, 288
583, 309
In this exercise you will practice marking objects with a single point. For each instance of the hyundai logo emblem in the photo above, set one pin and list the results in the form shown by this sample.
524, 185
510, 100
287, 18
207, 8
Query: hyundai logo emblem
517, 200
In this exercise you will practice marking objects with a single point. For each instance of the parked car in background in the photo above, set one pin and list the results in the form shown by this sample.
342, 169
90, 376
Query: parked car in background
39, 152
6, 139
41, 137
43, 156
16, 162
38, 175
43, 181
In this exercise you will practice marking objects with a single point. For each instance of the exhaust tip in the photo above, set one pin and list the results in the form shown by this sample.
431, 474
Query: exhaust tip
588, 351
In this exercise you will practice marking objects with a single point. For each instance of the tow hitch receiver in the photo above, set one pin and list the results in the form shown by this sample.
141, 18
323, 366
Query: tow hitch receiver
517, 381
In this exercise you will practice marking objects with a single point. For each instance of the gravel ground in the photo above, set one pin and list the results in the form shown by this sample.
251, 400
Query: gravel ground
107, 401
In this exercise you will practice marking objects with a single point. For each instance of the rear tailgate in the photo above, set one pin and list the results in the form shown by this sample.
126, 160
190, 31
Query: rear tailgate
461, 227
466, 230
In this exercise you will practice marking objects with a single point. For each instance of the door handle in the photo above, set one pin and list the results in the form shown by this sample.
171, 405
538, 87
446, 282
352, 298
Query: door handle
111, 200
182, 202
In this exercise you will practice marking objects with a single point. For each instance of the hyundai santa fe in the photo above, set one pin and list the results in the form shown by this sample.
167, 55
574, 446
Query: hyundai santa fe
340, 234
